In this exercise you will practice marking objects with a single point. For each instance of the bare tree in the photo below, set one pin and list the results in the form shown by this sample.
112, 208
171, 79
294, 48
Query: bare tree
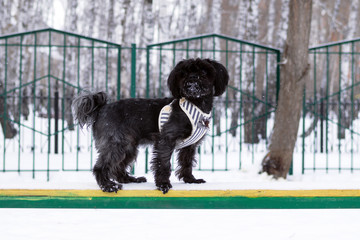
293, 73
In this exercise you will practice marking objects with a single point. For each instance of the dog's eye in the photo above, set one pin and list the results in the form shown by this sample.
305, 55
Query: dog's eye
203, 72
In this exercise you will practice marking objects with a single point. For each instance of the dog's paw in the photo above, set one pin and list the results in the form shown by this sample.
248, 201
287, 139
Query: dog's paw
164, 187
111, 187
130, 179
194, 180
141, 179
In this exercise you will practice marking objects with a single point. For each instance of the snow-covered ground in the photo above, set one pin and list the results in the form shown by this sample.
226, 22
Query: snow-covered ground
67, 224
64, 224
244, 179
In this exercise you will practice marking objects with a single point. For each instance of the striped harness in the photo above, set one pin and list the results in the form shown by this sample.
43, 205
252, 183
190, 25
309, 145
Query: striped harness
199, 121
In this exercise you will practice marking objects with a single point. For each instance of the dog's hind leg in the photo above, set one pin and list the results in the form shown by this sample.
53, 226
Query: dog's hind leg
122, 175
103, 174
186, 161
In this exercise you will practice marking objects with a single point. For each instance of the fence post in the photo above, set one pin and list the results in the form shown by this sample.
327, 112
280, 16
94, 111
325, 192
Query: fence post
133, 71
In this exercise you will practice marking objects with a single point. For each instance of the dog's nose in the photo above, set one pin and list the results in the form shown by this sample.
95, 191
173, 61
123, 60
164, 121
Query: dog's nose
192, 86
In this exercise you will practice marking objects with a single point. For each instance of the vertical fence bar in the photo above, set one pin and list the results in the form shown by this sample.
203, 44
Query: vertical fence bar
133, 71
339, 110
92, 88
253, 121
34, 108
241, 105
327, 107
226, 113
49, 110
5, 117
174, 54
147, 72
63, 103
315, 112
187, 49
93, 65
160, 73
213, 124
266, 94
303, 134
107, 67
56, 116
352, 106
19, 107
133, 80
118, 79
147, 96
78, 90
322, 117
213, 142
214, 47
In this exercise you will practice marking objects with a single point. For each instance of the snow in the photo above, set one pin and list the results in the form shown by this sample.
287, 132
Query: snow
178, 224
37, 224
246, 179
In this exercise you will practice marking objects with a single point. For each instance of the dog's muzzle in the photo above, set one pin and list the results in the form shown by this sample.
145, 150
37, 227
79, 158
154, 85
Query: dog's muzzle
192, 86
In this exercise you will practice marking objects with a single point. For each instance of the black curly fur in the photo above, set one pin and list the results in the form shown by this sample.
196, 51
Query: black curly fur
85, 107
120, 127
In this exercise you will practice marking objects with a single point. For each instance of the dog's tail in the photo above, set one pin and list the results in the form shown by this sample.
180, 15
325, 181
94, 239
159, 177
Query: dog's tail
86, 107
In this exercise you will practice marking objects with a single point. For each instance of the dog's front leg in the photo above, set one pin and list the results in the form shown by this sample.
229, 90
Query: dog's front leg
161, 166
186, 160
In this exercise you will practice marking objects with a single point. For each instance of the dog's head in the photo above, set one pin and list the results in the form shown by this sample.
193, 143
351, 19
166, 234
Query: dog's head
197, 78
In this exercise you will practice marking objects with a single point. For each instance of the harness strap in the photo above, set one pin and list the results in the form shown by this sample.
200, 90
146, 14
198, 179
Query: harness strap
198, 119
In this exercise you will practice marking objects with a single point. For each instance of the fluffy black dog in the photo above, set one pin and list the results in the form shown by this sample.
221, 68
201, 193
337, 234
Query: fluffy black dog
120, 127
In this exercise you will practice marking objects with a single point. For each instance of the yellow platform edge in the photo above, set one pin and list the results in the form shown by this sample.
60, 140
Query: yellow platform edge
182, 193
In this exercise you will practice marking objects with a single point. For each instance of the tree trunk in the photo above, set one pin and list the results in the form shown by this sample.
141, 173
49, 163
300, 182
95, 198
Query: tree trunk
293, 73
7, 126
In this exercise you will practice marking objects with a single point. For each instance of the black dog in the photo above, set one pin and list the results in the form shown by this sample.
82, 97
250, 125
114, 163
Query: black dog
169, 123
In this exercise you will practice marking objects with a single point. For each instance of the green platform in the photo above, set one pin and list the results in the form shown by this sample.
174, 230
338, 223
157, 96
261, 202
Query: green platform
176, 199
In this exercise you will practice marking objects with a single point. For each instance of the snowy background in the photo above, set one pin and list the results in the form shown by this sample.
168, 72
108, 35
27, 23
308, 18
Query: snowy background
332, 21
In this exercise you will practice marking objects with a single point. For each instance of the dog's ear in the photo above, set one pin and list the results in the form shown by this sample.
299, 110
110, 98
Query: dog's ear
173, 80
221, 77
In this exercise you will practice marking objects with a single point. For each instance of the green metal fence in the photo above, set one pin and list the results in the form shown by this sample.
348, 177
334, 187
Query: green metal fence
41, 71
330, 138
